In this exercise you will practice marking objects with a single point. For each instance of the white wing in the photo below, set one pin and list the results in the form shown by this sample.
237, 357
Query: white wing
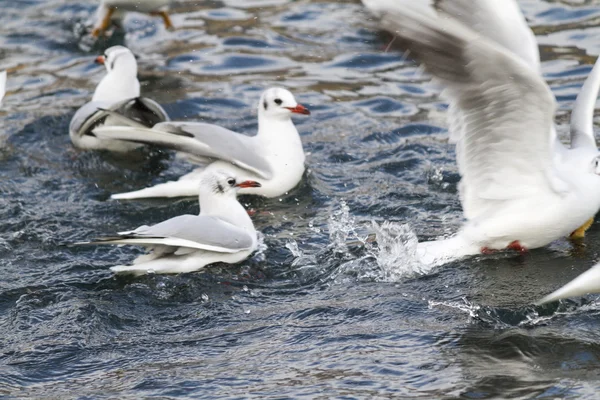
588, 282
502, 110
2, 85
498, 20
582, 117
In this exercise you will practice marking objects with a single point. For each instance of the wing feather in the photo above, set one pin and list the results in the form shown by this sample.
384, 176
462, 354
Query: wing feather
501, 109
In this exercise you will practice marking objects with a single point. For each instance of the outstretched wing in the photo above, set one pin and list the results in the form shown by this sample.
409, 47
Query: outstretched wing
187, 231
198, 139
498, 20
582, 117
501, 110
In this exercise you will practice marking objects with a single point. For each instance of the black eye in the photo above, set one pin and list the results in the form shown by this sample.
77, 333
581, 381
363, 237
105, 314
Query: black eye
278, 101
231, 181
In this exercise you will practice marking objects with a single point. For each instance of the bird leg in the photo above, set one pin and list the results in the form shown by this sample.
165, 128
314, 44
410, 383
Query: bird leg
487, 250
515, 245
165, 17
579, 233
104, 23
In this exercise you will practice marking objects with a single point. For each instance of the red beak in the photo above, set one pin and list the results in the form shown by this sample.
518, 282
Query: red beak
299, 109
248, 184
100, 60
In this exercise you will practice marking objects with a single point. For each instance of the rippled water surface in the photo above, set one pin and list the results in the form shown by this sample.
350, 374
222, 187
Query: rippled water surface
320, 311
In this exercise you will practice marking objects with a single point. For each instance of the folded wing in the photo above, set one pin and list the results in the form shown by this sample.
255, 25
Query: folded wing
189, 232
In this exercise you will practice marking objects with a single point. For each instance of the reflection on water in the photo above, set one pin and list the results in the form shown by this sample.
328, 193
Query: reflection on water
322, 310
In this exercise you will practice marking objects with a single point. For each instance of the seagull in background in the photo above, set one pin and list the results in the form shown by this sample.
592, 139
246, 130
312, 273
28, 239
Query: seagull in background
118, 91
223, 232
110, 10
274, 156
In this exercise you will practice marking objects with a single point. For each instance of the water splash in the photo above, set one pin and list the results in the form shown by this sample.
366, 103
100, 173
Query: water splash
396, 251
392, 246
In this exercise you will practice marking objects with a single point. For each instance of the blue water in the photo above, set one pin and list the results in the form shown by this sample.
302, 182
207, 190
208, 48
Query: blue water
319, 312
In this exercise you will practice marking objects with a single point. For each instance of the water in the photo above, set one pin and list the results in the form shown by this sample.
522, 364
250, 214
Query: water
322, 311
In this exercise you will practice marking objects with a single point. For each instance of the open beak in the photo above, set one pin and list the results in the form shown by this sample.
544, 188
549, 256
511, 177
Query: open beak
299, 109
100, 60
248, 184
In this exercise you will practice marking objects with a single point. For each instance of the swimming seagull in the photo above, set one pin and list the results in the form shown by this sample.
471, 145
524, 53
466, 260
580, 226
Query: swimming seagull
274, 156
118, 91
223, 232
520, 189
113, 9
588, 282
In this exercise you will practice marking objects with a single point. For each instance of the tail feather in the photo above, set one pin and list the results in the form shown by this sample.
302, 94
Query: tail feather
439, 252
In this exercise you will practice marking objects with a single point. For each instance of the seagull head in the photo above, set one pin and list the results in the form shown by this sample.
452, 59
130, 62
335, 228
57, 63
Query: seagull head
118, 58
222, 183
279, 103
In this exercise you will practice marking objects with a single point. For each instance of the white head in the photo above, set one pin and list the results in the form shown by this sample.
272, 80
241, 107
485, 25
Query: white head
219, 184
120, 82
118, 58
279, 103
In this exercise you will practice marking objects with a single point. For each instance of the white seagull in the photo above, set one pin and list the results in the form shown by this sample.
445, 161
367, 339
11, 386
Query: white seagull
588, 282
274, 156
520, 188
118, 91
223, 232
114, 9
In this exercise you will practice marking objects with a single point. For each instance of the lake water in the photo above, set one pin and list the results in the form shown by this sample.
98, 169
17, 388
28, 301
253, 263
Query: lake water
319, 312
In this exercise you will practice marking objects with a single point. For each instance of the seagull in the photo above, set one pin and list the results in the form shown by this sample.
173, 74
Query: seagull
520, 187
118, 91
274, 156
2, 85
113, 9
223, 232
588, 282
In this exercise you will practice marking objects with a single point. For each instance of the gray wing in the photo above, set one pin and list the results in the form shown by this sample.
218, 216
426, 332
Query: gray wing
191, 231
221, 143
197, 139
86, 117
140, 111
582, 117
505, 110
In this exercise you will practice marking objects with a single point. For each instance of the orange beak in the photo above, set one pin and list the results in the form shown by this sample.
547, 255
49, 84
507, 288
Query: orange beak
100, 60
299, 109
248, 184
